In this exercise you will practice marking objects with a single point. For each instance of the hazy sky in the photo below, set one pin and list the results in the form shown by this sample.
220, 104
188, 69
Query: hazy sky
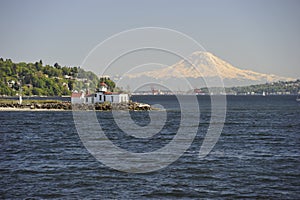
261, 35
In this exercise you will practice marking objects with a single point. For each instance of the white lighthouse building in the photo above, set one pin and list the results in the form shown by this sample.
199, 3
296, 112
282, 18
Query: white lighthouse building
101, 95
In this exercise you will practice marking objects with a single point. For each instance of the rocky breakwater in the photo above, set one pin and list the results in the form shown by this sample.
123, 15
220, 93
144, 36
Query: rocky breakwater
32, 106
106, 106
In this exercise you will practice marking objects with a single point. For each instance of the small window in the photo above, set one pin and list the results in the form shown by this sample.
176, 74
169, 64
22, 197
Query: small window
112, 99
95, 95
100, 97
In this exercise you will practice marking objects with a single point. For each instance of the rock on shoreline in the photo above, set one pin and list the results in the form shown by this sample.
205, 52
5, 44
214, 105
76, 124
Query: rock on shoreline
46, 106
106, 106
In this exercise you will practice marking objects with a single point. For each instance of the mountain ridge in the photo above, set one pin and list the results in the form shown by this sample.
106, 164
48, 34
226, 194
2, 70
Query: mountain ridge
206, 65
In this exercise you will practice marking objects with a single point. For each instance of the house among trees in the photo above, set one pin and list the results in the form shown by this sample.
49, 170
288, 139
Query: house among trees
101, 95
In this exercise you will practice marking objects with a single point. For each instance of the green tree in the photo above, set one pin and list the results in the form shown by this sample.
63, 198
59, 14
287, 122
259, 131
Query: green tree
45, 80
57, 66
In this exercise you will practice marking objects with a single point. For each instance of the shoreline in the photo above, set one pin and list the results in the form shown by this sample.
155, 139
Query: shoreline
4, 109
67, 106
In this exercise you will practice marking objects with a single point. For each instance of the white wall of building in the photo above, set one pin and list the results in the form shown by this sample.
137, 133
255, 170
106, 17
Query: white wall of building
90, 99
117, 98
78, 100
101, 96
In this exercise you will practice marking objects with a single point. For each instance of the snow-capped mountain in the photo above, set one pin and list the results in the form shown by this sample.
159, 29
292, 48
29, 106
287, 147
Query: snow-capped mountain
203, 67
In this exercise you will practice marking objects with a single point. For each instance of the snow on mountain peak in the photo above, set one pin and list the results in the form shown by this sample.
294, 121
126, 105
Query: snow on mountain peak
201, 64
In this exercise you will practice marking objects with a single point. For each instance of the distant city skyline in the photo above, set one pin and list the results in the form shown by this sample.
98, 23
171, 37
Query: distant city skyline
262, 36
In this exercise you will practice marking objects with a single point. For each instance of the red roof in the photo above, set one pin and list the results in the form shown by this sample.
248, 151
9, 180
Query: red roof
112, 93
76, 95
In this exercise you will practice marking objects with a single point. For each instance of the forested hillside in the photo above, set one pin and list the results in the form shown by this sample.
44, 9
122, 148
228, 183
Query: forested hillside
42, 80
275, 88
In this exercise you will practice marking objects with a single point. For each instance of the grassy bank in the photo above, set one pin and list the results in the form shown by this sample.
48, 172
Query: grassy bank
28, 101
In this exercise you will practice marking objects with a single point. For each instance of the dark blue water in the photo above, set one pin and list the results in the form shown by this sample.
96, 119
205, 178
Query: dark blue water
257, 155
